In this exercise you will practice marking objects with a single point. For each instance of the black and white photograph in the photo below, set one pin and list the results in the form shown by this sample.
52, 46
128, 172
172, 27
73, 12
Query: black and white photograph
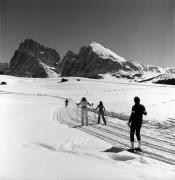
87, 89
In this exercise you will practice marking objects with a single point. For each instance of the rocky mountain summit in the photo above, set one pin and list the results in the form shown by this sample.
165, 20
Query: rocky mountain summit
34, 60
92, 61
95, 59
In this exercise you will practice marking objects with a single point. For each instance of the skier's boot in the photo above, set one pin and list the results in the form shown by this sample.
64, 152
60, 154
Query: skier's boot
139, 146
131, 150
132, 147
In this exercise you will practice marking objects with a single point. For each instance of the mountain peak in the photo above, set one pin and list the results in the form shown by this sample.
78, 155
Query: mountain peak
32, 59
105, 52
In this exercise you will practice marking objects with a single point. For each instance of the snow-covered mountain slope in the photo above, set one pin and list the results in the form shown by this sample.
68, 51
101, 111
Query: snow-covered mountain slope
105, 53
170, 70
155, 69
49, 71
37, 144
95, 59
34, 60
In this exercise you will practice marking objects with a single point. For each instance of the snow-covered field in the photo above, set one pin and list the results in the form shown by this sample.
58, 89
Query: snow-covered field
38, 141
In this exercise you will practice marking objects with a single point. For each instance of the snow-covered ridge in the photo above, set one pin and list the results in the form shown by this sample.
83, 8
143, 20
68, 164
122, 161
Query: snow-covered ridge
170, 70
156, 69
105, 53
49, 70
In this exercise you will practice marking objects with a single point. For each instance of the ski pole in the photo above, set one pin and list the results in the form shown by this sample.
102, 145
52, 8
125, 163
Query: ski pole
95, 117
106, 116
77, 113
94, 114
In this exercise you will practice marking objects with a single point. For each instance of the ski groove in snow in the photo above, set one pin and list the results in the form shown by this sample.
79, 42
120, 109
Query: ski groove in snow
114, 133
154, 147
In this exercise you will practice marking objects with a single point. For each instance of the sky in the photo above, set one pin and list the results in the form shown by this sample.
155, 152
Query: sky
140, 30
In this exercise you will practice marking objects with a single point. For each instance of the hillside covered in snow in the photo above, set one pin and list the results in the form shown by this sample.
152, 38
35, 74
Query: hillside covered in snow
41, 139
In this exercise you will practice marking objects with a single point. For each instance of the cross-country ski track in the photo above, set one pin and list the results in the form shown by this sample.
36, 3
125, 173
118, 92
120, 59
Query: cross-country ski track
154, 146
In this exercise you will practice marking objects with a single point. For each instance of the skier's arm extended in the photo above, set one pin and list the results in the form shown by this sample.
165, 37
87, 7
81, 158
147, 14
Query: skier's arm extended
96, 107
90, 104
78, 103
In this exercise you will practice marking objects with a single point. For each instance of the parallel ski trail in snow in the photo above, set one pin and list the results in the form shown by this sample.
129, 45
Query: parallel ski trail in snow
156, 146
117, 133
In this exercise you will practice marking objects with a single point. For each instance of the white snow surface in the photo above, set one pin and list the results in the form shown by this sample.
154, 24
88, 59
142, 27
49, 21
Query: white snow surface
34, 145
106, 53
51, 73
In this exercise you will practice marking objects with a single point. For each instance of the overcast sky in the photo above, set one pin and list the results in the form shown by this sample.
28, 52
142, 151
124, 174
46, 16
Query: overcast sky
142, 30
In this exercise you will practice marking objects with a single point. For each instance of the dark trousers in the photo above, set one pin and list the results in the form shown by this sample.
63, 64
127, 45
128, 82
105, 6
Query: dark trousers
99, 116
135, 128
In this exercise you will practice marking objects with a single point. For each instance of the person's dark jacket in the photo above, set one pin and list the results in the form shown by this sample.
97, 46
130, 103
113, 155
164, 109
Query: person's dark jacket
137, 113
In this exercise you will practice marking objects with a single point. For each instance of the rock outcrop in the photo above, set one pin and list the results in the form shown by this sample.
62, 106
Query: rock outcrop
34, 60
95, 59
4, 68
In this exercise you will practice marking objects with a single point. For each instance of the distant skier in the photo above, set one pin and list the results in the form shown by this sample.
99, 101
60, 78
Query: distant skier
101, 112
84, 111
135, 122
66, 102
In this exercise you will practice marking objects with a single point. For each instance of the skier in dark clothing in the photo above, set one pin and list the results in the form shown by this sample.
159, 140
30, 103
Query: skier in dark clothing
135, 122
101, 112
66, 102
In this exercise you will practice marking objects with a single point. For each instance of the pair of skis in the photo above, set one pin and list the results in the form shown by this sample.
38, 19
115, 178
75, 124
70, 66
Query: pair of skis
135, 150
